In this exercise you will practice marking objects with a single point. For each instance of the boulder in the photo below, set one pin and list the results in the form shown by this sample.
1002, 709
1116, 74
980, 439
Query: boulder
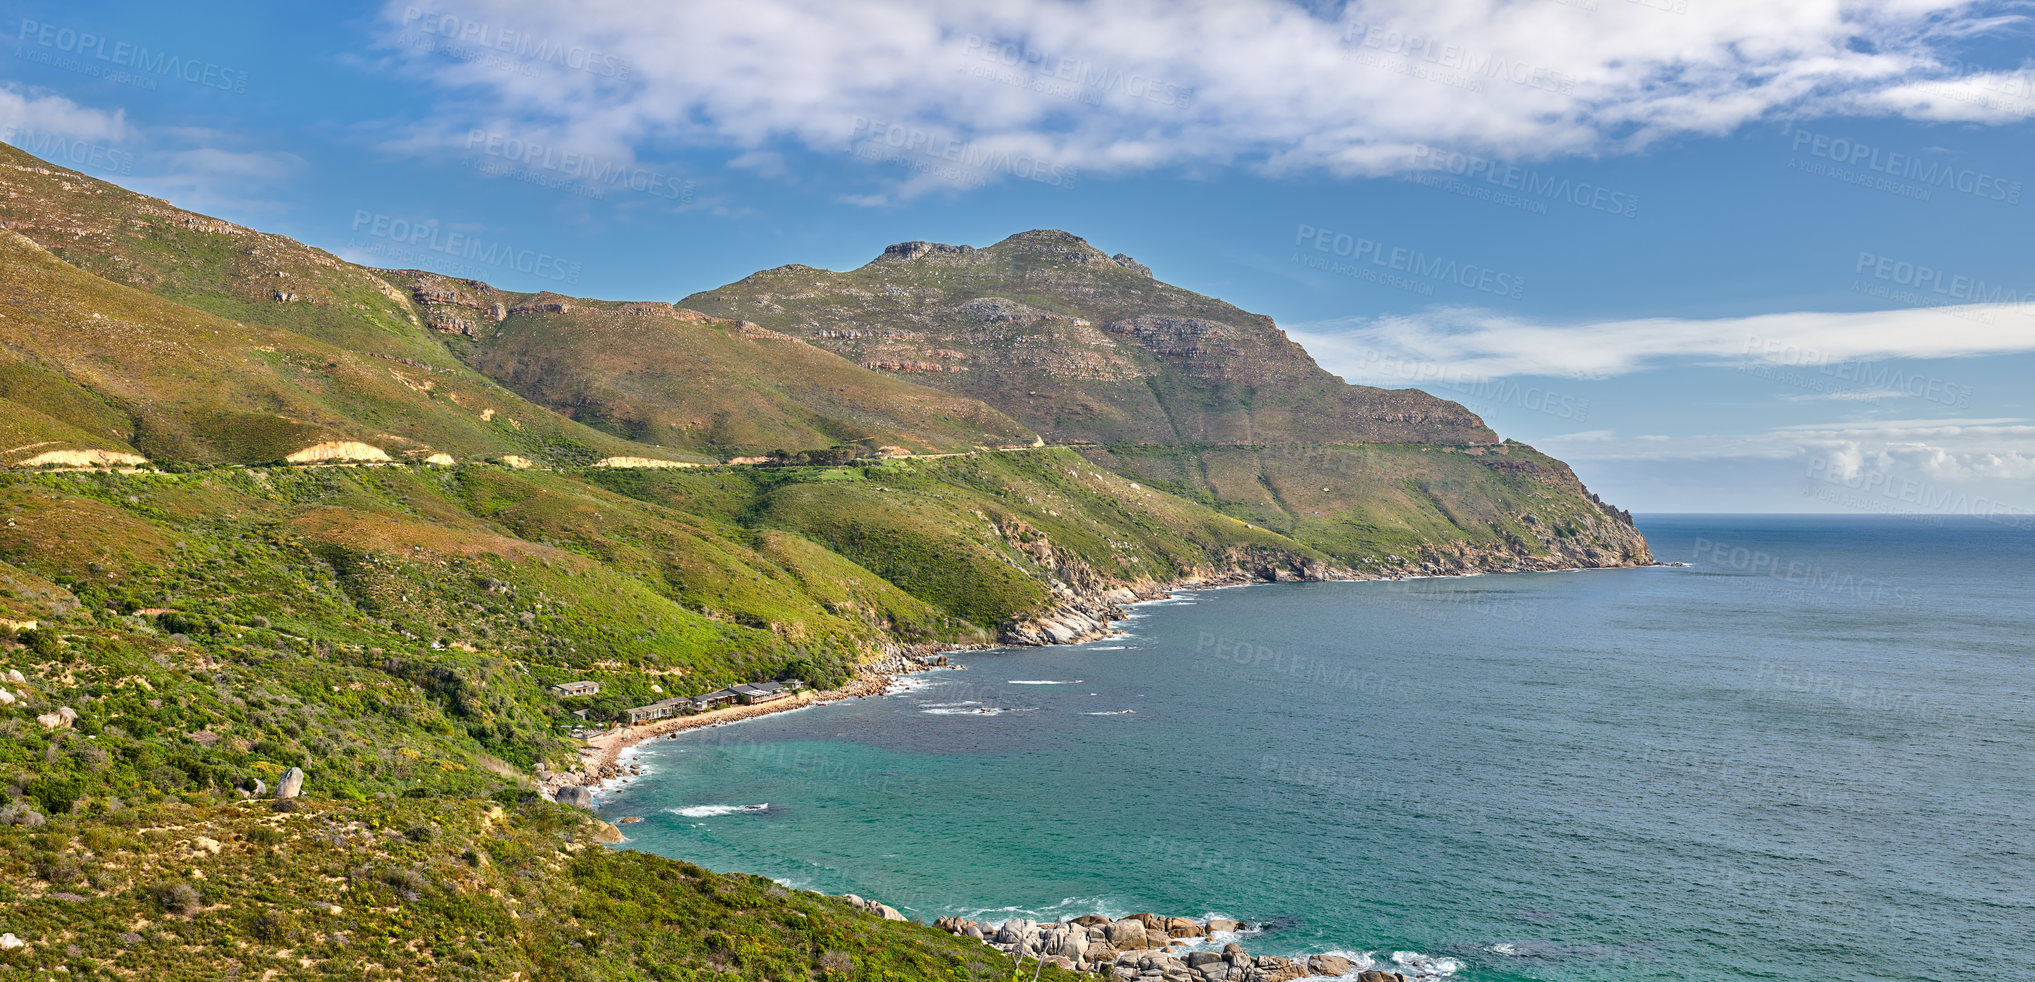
1374, 975
1069, 941
14, 676
291, 784
1127, 934
573, 795
1219, 924
1152, 922
1016, 930
1328, 965
1091, 920
1276, 969
1183, 927
9, 942
61, 719
1199, 958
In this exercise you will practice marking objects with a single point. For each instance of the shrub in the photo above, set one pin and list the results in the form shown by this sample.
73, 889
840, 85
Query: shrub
42, 642
177, 898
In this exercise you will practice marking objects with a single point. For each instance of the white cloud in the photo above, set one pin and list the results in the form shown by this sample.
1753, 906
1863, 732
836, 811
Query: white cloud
1984, 97
1467, 344
58, 116
1139, 84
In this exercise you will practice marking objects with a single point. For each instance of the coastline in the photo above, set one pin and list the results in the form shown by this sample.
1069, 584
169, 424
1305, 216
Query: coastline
1079, 619
600, 759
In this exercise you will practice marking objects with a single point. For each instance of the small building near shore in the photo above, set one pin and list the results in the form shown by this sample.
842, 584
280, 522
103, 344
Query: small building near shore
566, 690
713, 700
661, 709
754, 693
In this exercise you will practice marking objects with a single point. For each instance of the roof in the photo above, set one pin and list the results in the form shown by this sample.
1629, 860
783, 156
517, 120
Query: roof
661, 704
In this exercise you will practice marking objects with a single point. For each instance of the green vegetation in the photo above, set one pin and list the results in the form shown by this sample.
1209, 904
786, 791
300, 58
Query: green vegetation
426, 887
187, 631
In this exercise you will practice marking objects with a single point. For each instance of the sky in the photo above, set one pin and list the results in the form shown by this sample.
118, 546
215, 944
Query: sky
1719, 256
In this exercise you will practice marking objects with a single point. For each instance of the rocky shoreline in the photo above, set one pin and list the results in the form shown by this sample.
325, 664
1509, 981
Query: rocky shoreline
1087, 610
1150, 947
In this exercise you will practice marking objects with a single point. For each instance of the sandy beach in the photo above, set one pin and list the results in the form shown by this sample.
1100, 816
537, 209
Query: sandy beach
600, 759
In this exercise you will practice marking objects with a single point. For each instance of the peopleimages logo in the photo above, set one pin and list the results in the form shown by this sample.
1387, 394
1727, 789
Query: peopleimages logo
1942, 283
430, 235
73, 153
1907, 167
133, 57
483, 36
574, 165
1079, 75
880, 138
1410, 261
1526, 180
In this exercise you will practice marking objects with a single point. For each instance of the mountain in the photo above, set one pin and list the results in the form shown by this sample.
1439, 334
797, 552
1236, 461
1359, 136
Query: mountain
1082, 347
267, 509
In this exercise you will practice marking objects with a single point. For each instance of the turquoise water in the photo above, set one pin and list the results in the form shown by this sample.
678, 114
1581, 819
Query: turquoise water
1805, 756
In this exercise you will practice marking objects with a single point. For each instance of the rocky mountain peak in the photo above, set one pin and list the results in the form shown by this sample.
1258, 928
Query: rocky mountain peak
913, 250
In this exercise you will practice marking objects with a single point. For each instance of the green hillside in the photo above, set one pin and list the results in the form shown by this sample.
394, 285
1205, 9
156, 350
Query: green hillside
192, 612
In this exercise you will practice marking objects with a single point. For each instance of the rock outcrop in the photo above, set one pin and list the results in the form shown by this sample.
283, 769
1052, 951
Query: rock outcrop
338, 452
1152, 947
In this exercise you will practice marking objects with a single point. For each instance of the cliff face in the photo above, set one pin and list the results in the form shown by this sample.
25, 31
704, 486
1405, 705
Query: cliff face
1082, 347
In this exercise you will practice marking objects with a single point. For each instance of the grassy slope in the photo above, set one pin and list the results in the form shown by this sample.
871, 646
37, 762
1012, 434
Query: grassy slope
1366, 504
426, 888
656, 374
131, 325
137, 373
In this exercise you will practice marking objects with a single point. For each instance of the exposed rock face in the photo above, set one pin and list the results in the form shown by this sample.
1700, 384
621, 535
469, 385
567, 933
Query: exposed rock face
338, 451
575, 796
83, 458
913, 250
650, 462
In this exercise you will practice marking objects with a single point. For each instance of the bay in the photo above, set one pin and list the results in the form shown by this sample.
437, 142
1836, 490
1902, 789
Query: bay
1807, 754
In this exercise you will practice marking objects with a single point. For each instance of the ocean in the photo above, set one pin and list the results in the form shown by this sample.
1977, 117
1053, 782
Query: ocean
1809, 754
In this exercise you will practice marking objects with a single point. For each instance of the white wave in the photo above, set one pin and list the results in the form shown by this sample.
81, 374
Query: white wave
901, 685
1045, 681
1068, 908
947, 705
1422, 966
709, 811
1114, 712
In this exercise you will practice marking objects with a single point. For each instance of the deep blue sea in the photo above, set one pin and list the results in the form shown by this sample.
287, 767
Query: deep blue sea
1810, 754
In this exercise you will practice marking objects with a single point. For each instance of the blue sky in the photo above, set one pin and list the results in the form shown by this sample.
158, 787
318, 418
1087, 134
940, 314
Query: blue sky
1720, 256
